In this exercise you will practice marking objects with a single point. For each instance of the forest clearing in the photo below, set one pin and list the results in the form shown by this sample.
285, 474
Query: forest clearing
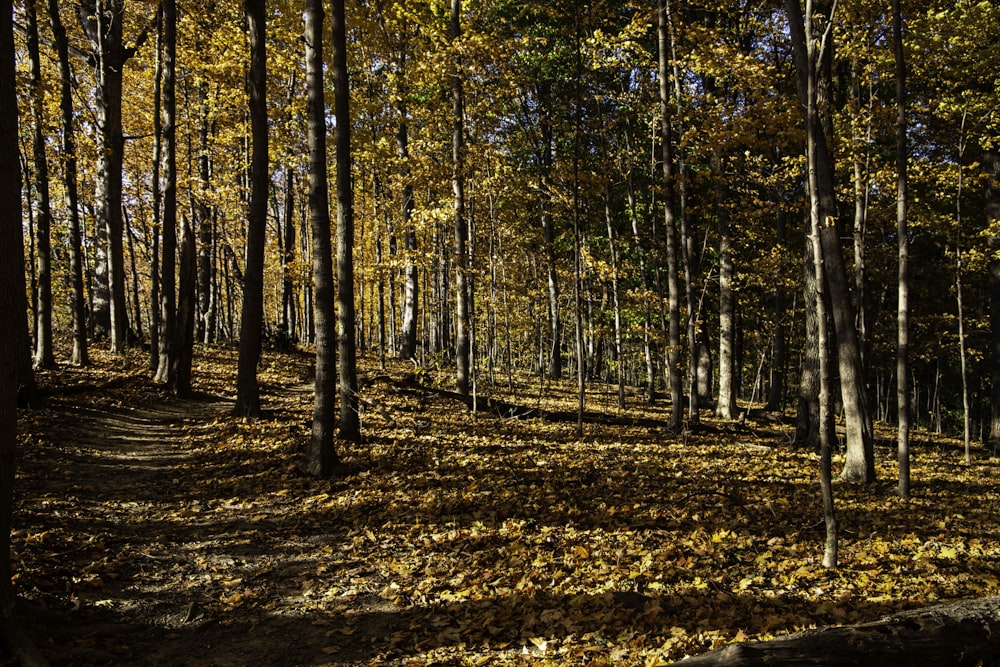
162, 531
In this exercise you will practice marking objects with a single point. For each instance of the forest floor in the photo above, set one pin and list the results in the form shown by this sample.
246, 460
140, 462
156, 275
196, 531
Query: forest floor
152, 530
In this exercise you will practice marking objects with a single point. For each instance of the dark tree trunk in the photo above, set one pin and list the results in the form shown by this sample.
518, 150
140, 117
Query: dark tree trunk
80, 355
187, 308
350, 422
13, 326
779, 338
252, 315
207, 294
807, 417
321, 457
991, 163
155, 320
167, 367
44, 357
675, 376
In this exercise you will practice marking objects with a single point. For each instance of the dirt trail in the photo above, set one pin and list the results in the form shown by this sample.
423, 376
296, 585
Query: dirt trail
154, 546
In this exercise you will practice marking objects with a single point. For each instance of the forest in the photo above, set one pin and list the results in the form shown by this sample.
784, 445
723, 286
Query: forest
490, 332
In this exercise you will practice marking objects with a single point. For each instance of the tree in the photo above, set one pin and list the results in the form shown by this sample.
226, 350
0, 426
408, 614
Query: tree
903, 240
321, 457
252, 316
669, 229
166, 371
350, 423
463, 346
13, 326
102, 23
80, 356
44, 356
814, 65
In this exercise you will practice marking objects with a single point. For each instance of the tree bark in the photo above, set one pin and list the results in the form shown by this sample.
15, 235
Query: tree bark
956, 634
321, 456
463, 346
166, 371
252, 315
44, 356
350, 421
859, 465
187, 308
80, 356
408, 334
903, 243
673, 283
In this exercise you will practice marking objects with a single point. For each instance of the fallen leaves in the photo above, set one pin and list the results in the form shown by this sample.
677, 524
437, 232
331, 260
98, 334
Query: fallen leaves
481, 540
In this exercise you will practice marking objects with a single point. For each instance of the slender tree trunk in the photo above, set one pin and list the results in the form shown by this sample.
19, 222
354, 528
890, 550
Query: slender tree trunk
619, 351
411, 296
44, 356
80, 356
673, 282
727, 305
155, 319
350, 421
991, 162
166, 370
807, 423
187, 309
903, 241
779, 337
288, 258
321, 457
966, 417
207, 295
252, 316
554, 370
463, 345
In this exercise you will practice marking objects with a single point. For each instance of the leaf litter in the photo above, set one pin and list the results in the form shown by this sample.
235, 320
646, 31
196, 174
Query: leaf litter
151, 529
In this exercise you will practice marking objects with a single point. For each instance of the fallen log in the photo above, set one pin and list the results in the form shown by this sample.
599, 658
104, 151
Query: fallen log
952, 634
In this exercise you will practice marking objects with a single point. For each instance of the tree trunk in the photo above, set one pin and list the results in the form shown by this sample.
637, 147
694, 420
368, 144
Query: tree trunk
106, 35
955, 634
463, 345
207, 294
155, 321
321, 457
779, 339
247, 388
991, 163
807, 418
80, 355
555, 361
673, 282
860, 462
903, 241
44, 357
166, 370
13, 325
187, 308
350, 421
726, 405
411, 296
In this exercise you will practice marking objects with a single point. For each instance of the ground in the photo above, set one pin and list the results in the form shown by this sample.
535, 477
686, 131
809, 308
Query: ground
153, 530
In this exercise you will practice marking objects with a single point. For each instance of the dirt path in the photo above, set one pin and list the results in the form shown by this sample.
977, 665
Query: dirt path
160, 545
